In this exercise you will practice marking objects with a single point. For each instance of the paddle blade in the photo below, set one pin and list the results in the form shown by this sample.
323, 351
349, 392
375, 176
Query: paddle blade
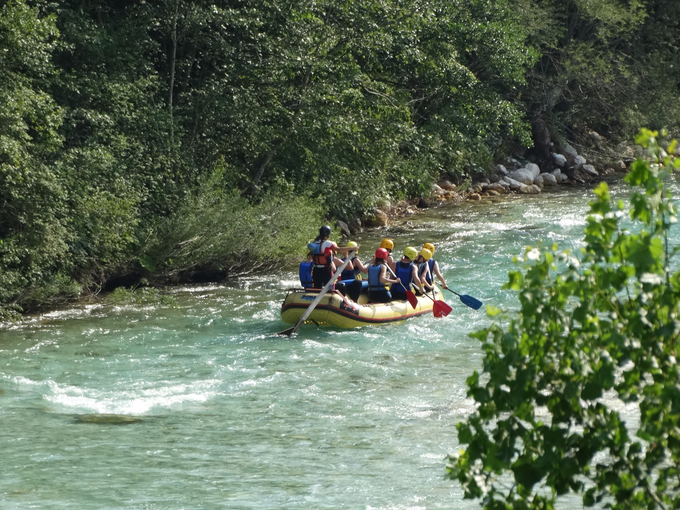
286, 332
411, 297
441, 309
473, 303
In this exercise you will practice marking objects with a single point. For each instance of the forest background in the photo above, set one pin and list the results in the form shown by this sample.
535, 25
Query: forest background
177, 141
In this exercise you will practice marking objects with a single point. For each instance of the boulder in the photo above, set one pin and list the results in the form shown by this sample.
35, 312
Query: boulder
564, 177
474, 197
492, 192
501, 170
579, 161
590, 169
446, 185
344, 228
622, 166
497, 187
548, 179
559, 160
595, 136
355, 225
538, 181
526, 174
569, 152
529, 190
437, 190
515, 185
504, 183
378, 220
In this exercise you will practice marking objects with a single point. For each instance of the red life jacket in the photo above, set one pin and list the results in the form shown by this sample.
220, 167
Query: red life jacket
320, 259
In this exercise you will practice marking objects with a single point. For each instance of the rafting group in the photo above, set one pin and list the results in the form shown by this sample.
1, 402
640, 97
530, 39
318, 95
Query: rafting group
387, 279
384, 297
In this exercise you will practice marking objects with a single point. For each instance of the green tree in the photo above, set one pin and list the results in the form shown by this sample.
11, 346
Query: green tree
590, 335
33, 213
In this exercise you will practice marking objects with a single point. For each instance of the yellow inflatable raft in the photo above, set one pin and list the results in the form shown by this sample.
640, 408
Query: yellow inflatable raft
333, 310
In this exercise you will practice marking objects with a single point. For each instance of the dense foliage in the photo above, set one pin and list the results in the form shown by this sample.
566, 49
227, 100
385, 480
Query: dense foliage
592, 336
114, 116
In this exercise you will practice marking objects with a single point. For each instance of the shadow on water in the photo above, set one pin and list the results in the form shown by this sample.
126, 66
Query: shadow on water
107, 419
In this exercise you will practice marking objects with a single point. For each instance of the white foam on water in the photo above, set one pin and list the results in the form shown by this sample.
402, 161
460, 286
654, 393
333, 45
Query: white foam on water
136, 399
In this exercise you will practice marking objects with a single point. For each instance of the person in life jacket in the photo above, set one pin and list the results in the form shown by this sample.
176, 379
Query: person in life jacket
424, 268
378, 277
306, 267
434, 266
350, 276
388, 245
407, 272
323, 257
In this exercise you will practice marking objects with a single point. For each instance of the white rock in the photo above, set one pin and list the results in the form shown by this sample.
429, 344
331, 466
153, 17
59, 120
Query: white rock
526, 174
590, 169
559, 160
595, 136
538, 181
579, 160
503, 183
548, 179
570, 152
529, 190
513, 183
501, 170
564, 177
437, 190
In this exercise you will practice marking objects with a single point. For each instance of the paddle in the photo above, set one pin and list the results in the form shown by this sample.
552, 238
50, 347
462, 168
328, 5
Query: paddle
473, 303
290, 331
410, 296
440, 308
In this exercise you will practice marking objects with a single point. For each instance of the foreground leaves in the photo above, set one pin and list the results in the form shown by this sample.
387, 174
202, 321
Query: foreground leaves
593, 336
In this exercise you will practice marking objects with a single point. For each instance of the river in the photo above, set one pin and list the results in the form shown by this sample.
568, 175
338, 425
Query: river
202, 406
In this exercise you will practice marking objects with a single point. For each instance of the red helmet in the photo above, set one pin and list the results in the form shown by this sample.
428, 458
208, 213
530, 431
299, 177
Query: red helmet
381, 253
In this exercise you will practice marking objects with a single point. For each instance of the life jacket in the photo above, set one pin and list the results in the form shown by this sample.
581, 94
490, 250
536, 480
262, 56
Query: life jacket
349, 274
430, 275
374, 283
320, 259
404, 273
306, 274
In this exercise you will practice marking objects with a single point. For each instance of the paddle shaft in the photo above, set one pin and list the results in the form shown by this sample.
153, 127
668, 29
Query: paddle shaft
318, 299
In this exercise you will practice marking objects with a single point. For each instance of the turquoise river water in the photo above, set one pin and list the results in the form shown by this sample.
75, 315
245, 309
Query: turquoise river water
202, 406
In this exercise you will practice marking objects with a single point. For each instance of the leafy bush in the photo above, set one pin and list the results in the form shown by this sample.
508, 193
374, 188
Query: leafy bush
591, 337
216, 228
141, 296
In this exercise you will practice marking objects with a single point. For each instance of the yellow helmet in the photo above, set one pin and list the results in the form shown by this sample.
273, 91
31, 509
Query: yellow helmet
426, 254
411, 253
430, 247
352, 244
388, 244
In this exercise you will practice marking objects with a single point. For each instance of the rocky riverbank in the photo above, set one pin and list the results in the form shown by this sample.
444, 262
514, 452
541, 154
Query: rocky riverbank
563, 166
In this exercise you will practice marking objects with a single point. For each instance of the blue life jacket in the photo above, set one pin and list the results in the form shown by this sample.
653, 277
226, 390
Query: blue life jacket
374, 283
430, 275
349, 274
319, 259
404, 273
306, 274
